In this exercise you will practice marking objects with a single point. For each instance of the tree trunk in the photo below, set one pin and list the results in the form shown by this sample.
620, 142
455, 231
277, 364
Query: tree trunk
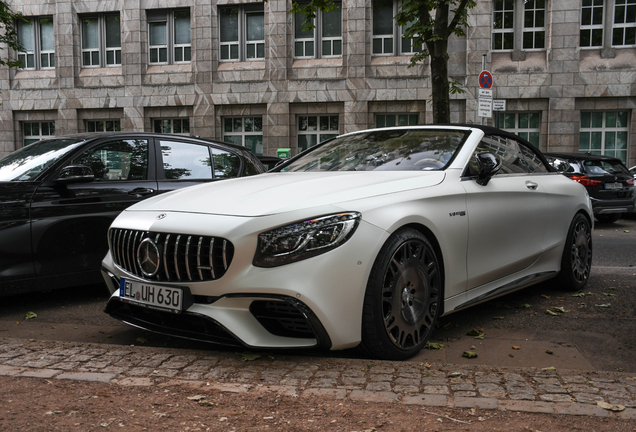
439, 82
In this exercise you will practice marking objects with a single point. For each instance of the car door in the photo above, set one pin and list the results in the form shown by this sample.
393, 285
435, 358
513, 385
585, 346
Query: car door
506, 217
15, 231
186, 163
70, 220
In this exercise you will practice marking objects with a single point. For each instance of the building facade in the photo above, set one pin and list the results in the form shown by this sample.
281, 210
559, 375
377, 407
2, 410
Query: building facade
248, 72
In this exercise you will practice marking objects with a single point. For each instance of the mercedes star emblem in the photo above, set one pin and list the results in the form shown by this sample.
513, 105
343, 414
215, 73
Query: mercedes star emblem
161, 216
148, 257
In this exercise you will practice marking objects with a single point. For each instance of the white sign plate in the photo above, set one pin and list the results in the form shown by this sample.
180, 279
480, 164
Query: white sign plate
485, 93
484, 108
499, 105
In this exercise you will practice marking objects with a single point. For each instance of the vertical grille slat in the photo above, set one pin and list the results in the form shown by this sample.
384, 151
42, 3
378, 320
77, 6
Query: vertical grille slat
176, 257
199, 258
180, 253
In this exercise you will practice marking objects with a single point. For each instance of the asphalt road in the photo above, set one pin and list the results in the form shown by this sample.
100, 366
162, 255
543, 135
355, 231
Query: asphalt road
597, 331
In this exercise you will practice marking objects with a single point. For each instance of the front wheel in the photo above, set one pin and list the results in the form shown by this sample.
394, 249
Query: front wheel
402, 298
576, 262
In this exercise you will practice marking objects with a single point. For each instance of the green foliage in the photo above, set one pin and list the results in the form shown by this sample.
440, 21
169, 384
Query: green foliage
8, 20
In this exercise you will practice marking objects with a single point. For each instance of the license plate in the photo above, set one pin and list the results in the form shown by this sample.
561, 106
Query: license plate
152, 296
613, 186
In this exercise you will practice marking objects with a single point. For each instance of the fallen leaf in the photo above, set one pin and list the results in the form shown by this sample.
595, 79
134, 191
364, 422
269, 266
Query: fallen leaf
249, 356
499, 317
474, 332
582, 294
510, 355
433, 345
609, 294
604, 305
626, 231
549, 312
524, 306
516, 347
196, 398
30, 315
610, 407
455, 374
469, 354
141, 340
545, 296
559, 309
549, 352
481, 336
549, 368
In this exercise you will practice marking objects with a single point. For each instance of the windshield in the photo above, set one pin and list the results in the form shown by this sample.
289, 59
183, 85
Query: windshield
28, 162
384, 150
604, 167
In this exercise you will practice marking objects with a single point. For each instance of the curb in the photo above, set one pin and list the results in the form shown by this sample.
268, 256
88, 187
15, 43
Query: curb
440, 385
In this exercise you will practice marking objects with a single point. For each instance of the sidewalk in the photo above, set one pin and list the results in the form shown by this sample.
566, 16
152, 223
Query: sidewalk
555, 391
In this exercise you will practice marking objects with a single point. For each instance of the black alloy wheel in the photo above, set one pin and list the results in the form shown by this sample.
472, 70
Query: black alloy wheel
576, 262
402, 298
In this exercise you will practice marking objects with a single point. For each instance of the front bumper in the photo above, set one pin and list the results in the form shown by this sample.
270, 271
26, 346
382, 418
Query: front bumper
316, 302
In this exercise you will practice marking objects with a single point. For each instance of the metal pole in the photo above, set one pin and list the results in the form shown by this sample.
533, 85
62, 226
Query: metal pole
483, 68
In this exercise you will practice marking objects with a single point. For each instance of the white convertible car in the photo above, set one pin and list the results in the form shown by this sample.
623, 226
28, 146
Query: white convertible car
363, 240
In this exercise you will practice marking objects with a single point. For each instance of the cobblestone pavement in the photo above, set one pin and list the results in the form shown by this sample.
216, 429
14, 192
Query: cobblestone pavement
604, 394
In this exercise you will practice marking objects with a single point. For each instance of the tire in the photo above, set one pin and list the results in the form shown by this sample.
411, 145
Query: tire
402, 298
608, 218
576, 262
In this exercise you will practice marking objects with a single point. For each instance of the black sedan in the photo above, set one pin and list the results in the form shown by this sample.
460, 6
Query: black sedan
607, 180
59, 196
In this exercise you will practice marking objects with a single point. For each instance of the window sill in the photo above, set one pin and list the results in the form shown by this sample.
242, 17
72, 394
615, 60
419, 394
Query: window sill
322, 62
390, 60
175, 68
238, 65
102, 71
34, 74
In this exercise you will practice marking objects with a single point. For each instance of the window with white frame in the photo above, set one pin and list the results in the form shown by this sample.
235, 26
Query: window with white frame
242, 32
527, 125
178, 126
604, 133
101, 40
322, 41
591, 23
624, 29
315, 129
35, 131
388, 38
36, 35
103, 126
505, 25
390, 120
244, 131
169, 38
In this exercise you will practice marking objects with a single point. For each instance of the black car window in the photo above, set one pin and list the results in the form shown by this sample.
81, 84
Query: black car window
561, 165
534, 164
117, 160
185, 161
226, 164
508, 150
27, 163
601, 167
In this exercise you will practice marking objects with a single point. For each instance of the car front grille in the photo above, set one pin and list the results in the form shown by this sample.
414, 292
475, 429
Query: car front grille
182, 257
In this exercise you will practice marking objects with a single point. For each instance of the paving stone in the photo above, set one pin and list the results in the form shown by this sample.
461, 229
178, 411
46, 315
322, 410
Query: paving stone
436, 389
382, 370
86, 376
490, 390
40, 373
380, 377
408, 389
463, 387
379, 386
353, 381
579, 379
426, 400
434, 381
556, 398
326, 382
476, 402
527, 406
330, 392
628, 414
552, 388
590, 398
490, 378
581, 388
327, 374
580, 409
10, 370
465, 393
137, 381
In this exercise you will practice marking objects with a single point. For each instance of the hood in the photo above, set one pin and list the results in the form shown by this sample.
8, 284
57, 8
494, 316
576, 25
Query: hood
274, 193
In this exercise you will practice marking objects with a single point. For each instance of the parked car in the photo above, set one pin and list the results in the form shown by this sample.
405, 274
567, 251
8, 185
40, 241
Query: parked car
364, 240
59, 196
607, 180
632, 170
270, 161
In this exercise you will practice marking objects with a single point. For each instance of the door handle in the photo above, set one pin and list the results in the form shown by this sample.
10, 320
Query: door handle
141, 191
531, 185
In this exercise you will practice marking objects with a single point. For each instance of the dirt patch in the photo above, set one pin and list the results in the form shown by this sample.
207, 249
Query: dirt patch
31, 404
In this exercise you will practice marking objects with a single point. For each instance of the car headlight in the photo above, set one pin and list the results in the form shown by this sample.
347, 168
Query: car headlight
304, 239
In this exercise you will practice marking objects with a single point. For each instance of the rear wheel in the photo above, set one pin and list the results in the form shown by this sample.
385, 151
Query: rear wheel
608, 218
402, 298
576, 262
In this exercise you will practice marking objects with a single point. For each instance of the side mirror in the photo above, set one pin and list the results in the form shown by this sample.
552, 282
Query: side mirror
488, 165
75, 174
